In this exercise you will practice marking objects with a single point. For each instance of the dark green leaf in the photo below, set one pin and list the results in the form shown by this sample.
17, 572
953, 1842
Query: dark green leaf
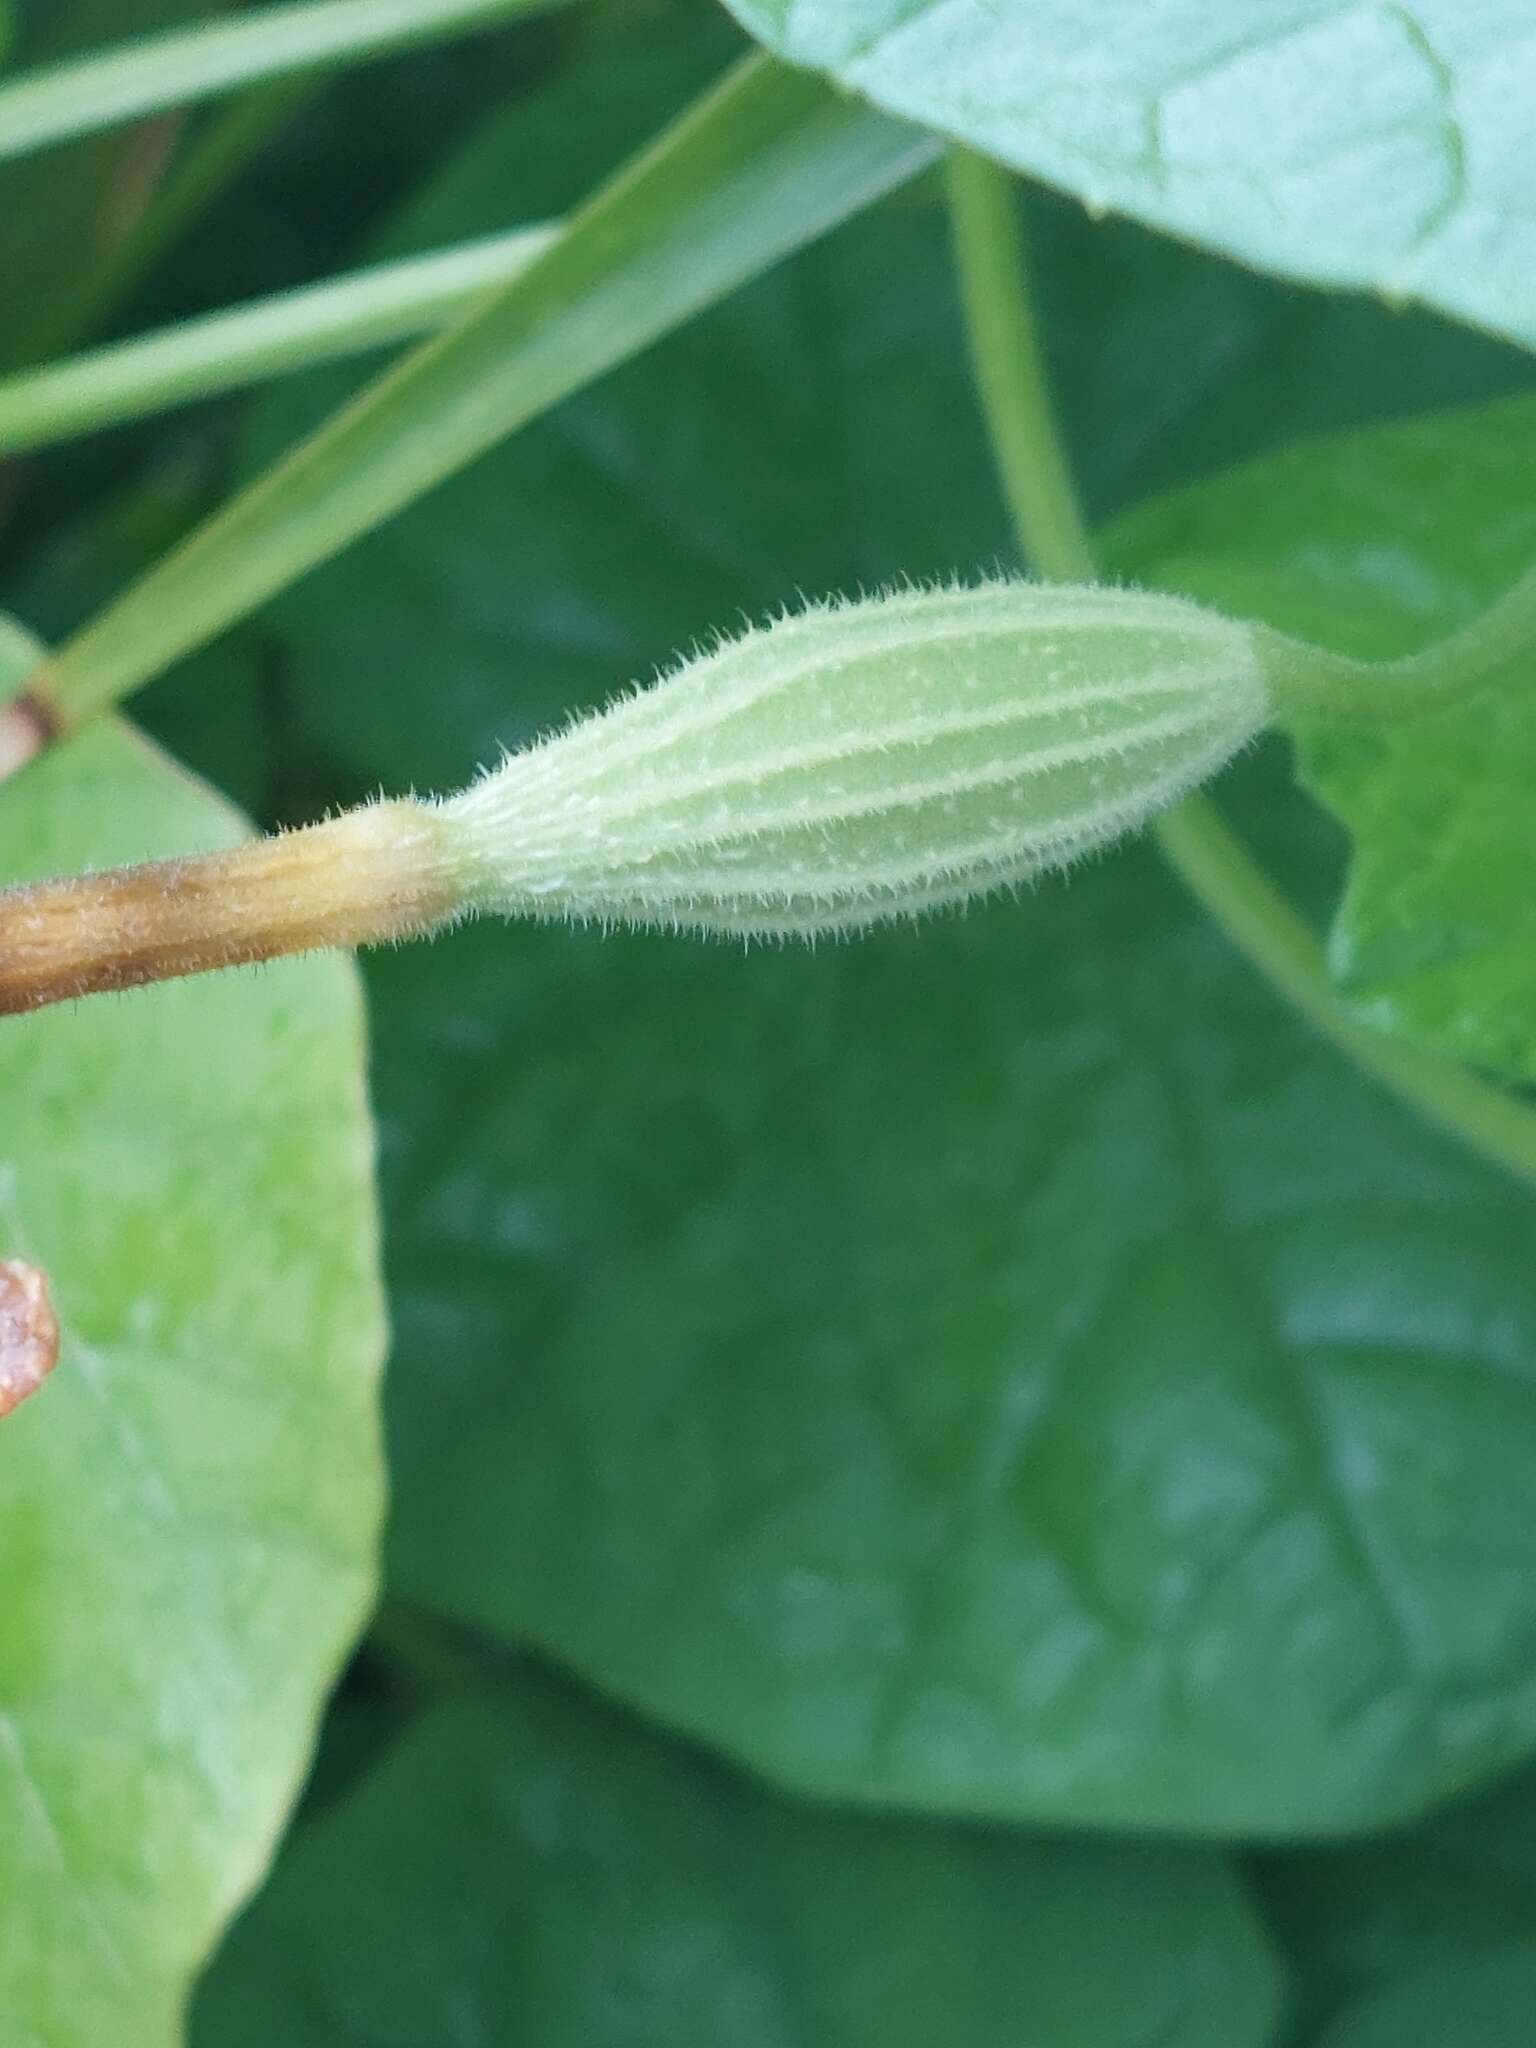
1489, 2003
1350, 1920
188, 1509
1006, 1367
536, 1869
1377, 543
1381, 147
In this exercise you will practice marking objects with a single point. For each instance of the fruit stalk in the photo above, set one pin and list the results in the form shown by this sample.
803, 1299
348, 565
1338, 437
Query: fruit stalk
352, 881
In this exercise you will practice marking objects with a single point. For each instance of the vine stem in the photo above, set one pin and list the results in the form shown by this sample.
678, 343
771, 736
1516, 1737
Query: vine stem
1016, 404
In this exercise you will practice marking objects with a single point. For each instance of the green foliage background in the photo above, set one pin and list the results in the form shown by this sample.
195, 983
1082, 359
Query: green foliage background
969, 1486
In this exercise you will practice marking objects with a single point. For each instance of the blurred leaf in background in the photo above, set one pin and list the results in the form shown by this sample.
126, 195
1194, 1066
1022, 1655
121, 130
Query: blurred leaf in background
1488, 2001
532, 1867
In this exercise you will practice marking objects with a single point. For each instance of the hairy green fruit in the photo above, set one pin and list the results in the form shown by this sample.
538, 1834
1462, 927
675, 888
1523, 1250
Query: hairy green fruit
849, 764
866, 761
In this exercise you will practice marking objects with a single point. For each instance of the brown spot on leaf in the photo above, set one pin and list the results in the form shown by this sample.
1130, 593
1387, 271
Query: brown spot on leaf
29, 1333
27, 725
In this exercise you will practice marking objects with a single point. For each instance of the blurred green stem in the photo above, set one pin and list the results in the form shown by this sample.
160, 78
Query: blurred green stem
1014, 393
249, 344
152, 73
1012, 380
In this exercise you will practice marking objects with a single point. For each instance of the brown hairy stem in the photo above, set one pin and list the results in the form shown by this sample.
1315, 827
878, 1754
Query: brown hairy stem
369, 875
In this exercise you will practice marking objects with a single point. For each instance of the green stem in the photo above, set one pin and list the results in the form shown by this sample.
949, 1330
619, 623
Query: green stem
1011, 377
249, 344
152, 73
1500, 645
1203, 851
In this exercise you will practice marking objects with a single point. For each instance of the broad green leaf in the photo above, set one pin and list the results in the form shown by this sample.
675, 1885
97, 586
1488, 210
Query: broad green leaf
1378, 147
533, 1868
1352, 1919
189, 1507
1488, 2003
1005, 1367
1377, 543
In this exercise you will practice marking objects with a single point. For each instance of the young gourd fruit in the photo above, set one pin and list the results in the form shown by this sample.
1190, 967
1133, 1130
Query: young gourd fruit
851, 763
865, 761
